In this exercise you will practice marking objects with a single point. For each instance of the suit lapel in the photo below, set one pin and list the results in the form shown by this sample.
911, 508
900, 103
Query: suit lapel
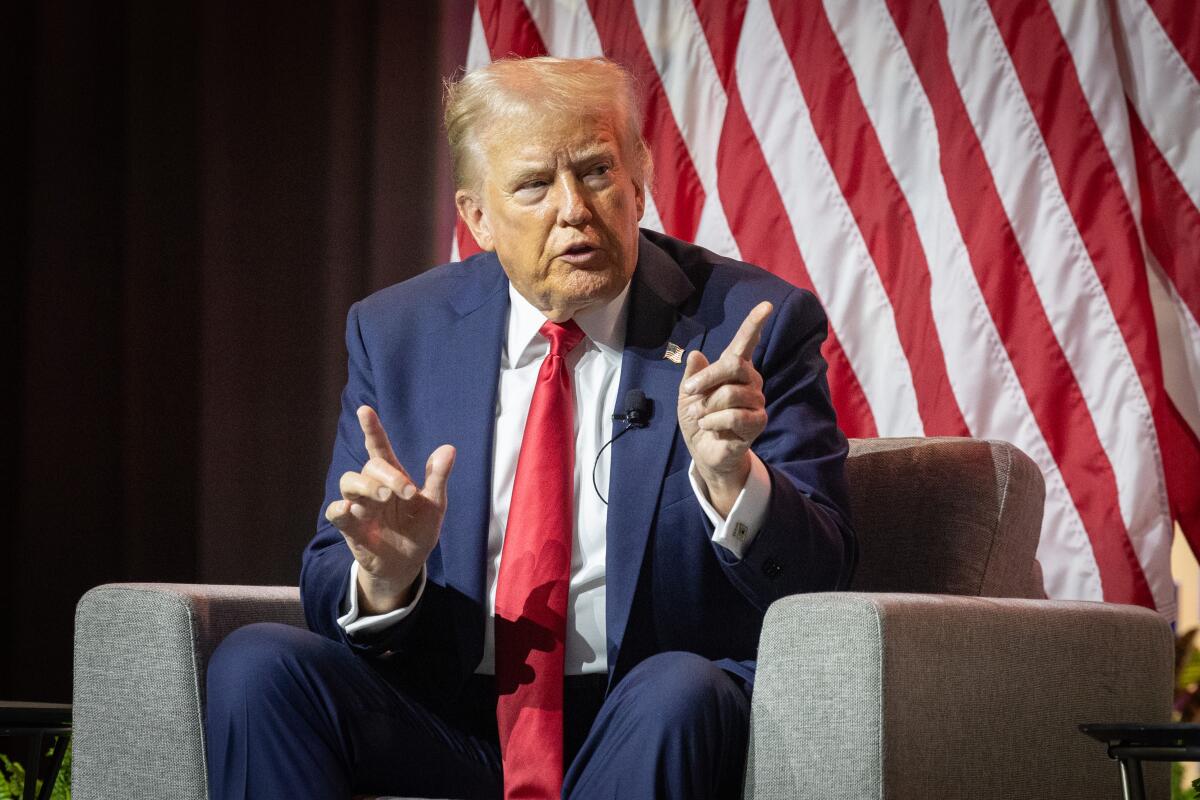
471, 353
639, 458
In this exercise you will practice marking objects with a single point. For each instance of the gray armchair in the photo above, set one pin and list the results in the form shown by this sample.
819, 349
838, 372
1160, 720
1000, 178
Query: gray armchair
942, 674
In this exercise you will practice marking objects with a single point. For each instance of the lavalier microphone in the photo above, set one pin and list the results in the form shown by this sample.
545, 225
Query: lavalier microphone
638, 409
636, 413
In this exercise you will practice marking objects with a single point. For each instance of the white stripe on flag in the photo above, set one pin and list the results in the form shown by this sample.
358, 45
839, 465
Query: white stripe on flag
675, 40
566, 27
987, 388
1159, 80
828, 237
478, 53
1088, 32
1179, 338
1066, 281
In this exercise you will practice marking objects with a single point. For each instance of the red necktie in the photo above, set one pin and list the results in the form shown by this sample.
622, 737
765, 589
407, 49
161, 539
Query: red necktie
531, 589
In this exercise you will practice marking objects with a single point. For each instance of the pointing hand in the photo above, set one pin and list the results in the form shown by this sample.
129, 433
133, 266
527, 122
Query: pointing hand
722, 411
390, 524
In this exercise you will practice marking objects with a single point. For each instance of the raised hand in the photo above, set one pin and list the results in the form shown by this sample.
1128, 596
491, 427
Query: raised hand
722, 411
390, 524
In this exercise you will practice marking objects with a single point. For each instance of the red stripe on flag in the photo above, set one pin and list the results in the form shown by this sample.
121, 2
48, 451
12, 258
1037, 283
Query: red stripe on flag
510, 29
678, 193
876, 201
722, 24
1181, 458
1086, 174
755, 210
1170, 221
850, 404
467, 246
1181, 20
1103, 216
1171, 225
1040, 364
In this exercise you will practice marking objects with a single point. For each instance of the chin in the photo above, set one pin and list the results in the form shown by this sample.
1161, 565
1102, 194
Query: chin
584, 288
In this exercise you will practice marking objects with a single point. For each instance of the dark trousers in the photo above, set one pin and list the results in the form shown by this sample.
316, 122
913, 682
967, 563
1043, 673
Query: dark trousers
292, 714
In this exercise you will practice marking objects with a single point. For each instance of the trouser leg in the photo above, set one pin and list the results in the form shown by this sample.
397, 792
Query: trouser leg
292, 714
675, 727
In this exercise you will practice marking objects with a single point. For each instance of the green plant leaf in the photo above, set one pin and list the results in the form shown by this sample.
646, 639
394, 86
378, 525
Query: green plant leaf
12, 778
1189, 673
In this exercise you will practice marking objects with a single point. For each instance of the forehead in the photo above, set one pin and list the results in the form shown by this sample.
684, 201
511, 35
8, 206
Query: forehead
546, 137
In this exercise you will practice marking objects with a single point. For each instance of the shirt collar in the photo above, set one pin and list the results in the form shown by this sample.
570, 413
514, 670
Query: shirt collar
604, 325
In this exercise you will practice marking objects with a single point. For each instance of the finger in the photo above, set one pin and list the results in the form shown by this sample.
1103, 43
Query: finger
732, 395
743, 424
393, 477
341, 517
696, 361
375, 436
747, 336
691, 410
358, 488
338, 513
726, 369
437, 473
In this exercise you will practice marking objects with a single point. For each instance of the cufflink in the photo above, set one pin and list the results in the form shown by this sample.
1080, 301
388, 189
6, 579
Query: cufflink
739, 531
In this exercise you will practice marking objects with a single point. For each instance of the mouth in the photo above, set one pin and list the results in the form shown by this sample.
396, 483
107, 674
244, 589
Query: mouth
580, 253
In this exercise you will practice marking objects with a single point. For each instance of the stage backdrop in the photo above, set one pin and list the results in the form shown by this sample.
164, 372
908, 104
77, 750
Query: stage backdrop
997, 205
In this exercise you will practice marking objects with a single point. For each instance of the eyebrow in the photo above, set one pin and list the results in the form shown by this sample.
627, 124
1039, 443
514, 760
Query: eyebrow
596, 153
534, 166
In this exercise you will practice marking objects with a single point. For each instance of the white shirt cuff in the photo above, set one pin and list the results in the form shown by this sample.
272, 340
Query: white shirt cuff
737, 531
352, 623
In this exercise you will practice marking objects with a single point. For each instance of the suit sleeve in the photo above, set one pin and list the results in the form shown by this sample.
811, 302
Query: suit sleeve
806, 543
327, 559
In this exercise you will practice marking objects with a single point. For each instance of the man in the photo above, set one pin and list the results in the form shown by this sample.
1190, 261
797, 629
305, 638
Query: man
548, 610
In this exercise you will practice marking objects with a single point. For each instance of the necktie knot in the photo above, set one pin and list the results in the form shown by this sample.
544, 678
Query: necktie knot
564, 336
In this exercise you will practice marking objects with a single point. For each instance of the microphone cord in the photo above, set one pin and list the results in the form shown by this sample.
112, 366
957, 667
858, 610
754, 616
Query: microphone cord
628, 427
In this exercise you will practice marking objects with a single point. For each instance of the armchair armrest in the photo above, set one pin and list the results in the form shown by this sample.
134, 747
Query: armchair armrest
140, 656
919, 696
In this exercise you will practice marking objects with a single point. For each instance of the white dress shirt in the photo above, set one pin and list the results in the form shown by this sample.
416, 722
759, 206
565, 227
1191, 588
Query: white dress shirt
596, 375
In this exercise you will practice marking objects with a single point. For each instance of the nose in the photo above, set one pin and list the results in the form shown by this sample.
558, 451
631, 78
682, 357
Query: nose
573, 209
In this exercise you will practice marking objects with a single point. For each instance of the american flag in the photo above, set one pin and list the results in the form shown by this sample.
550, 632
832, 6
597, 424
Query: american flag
997, 203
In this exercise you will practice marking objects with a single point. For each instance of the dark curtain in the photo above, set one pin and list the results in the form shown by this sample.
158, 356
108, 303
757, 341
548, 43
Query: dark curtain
201, 189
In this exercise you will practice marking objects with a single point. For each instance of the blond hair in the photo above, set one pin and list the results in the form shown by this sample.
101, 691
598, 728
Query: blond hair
506, 90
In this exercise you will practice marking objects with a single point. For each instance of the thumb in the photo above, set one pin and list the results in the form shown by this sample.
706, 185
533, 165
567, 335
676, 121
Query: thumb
696, 361
437, 473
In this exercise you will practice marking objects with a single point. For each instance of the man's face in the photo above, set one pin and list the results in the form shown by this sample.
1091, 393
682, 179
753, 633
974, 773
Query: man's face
558, 204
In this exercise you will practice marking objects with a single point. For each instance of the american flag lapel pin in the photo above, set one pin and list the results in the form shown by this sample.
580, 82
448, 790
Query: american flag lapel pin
674, 353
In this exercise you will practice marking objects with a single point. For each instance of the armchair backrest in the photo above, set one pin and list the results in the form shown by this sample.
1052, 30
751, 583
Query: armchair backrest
945, 516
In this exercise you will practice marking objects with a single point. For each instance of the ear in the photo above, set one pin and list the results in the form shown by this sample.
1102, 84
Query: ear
471, 210
639, 193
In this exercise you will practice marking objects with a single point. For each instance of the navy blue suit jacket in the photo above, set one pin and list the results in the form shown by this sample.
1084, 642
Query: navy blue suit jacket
425, 354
